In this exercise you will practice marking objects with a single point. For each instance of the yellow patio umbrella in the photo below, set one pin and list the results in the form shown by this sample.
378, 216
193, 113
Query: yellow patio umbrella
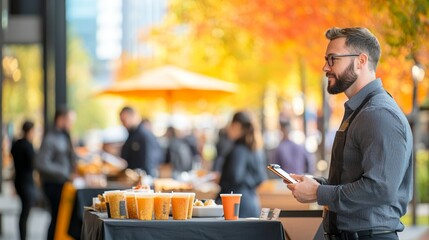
172, 84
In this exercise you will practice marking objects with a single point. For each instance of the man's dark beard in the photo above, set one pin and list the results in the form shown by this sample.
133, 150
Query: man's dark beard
343, 81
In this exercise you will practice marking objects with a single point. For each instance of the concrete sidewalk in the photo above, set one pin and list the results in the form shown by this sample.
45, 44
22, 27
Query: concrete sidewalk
10, 207
37, 225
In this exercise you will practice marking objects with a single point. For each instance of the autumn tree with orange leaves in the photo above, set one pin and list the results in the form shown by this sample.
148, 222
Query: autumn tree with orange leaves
251, 42
259, 43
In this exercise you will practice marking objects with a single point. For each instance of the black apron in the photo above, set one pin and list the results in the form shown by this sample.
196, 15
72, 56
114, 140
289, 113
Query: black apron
335, 169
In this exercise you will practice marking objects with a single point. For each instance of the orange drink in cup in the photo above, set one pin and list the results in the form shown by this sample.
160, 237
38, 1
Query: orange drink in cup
180, 204
145, 202
131, 204
191, 205
162, 206
106, 197
231, 205
116, 204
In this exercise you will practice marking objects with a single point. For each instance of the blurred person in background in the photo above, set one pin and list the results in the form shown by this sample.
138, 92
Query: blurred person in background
147, 124
56, 161
195, 141
141, 149
178, 153
244, 166
6, 140
223, 147
292, 157
23, 157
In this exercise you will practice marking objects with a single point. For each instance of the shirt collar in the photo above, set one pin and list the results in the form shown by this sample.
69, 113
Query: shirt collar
357, 99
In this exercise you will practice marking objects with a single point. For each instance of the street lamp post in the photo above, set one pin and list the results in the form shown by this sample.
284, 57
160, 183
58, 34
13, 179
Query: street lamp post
418, 74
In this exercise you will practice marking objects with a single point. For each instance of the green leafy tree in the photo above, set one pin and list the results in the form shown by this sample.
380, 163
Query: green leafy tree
405, 25
80, 86
22, 84
405, 29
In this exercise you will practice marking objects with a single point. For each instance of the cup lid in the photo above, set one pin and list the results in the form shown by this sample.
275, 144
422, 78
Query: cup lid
149, 194
144, 191
230, 195
163, 194
180, 194
111, 191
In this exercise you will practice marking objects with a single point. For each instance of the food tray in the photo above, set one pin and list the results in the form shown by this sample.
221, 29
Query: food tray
208, 211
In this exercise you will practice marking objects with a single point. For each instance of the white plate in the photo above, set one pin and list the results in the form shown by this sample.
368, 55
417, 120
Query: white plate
209, 211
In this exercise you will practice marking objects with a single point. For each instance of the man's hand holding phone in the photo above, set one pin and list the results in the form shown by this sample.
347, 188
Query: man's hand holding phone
303, 188
305, 191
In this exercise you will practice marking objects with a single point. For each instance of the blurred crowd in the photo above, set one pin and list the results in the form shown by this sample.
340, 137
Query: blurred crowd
238, 165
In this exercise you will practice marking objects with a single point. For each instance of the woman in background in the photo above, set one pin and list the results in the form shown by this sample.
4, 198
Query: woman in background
244, 169
23, 156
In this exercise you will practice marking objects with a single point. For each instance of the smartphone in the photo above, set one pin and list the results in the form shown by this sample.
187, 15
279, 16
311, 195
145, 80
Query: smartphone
275, 168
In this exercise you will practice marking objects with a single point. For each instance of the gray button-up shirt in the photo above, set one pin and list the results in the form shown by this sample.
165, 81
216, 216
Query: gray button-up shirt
376, 180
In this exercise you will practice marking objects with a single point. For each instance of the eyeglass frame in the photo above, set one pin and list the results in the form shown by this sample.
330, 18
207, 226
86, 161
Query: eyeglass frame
330, 58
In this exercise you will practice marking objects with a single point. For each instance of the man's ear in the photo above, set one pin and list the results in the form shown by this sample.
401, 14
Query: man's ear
362, 60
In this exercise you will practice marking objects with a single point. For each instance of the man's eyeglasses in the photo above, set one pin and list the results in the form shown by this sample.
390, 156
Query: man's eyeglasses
330, 58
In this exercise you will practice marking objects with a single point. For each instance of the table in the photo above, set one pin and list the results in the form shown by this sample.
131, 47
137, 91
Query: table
98, 226
83, 197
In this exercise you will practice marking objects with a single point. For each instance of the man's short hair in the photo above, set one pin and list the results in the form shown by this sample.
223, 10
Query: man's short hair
128, 110
359, 40
27, 126
284, 124
61, 111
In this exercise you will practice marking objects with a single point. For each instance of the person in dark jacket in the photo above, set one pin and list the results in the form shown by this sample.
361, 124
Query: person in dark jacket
178, 153
23, 156
244, 169
56, 162
223, 147
141, 149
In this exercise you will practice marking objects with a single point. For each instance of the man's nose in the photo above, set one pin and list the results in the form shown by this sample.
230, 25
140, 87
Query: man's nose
326, 67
